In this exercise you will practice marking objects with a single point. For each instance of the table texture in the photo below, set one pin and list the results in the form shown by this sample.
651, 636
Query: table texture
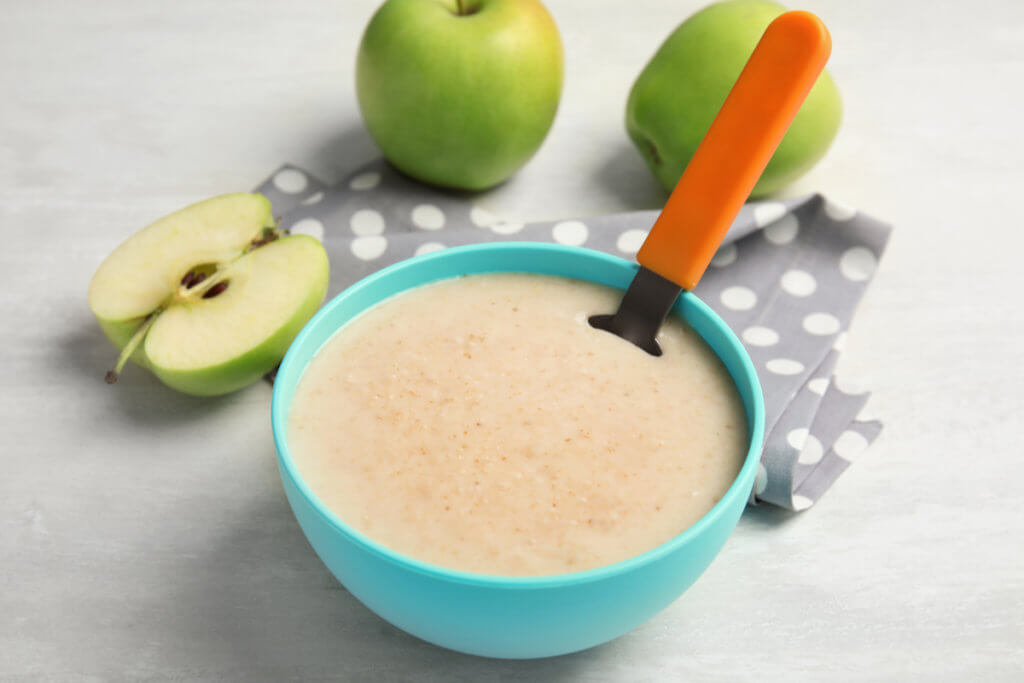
144, 535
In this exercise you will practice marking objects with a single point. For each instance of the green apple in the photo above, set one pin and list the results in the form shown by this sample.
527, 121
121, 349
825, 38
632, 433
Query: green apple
209, 297
459, 93
679, 92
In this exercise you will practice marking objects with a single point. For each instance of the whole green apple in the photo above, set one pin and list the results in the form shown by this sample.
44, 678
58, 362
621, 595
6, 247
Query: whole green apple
461, 93
679, 92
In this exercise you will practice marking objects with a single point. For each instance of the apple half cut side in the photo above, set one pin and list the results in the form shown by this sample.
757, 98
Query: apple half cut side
210, 297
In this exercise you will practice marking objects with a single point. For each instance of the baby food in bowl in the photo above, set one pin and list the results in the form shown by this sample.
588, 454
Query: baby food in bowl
450, 576
481, 424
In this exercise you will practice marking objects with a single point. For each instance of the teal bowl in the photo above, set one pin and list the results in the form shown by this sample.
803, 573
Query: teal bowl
505, 616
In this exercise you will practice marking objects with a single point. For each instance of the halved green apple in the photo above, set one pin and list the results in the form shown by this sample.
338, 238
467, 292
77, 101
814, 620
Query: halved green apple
210, 297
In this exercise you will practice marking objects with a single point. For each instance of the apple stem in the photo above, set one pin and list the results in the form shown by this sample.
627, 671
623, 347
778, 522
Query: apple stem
132, 344
459, 9
270, 234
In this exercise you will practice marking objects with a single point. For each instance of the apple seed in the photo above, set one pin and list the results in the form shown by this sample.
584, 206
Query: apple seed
216, 290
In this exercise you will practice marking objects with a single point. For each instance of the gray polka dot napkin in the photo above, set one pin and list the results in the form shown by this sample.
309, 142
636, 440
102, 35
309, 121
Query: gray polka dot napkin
787, 279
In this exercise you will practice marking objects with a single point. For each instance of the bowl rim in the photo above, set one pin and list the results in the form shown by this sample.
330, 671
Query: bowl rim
288, 468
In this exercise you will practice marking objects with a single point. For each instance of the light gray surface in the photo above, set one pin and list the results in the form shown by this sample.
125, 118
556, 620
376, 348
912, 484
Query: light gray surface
144, 535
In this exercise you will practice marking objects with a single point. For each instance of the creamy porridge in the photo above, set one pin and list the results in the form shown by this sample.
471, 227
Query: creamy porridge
481, 424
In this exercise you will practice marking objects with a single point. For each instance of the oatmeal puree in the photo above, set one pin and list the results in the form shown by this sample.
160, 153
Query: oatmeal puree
481, 424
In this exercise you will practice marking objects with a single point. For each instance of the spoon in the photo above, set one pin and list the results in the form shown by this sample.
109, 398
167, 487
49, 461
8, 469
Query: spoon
721, 174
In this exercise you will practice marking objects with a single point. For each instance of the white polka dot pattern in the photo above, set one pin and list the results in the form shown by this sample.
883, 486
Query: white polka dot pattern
812, 451
739, 298
798, 283
801, 502
798, 437
428, 217
782, 231
821, 324
838, 211
308, 226
857, 264
784, 366
758, 335
849, 445
725, 255
365, 181
571, 233
849, 386
290, 181
630, 241
366, 222
481, 218
368, 248
429, 247
503, 228
760, 480
818, 385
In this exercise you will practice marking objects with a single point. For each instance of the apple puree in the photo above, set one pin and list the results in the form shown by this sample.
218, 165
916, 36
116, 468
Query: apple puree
481, 424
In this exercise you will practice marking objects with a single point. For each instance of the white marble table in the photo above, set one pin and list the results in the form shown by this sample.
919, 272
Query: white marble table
144, 535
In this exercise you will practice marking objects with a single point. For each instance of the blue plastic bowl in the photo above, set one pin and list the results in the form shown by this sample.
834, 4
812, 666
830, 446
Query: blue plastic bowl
501, 616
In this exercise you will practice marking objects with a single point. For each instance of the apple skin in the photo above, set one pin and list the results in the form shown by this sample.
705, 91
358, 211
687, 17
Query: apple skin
248, 368
680, 91
459, 101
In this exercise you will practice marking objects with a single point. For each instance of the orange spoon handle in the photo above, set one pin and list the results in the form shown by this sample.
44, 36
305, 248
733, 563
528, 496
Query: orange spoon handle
736, 148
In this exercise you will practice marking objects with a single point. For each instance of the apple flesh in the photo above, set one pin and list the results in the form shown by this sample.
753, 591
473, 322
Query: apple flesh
459, 94
209, 298
678, 94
